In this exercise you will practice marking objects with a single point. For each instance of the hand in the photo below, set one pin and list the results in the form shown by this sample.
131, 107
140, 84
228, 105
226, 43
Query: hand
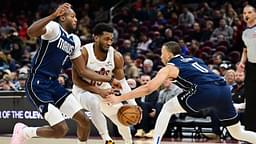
105, 92
116, 84
240, 67
62, 9
113, 99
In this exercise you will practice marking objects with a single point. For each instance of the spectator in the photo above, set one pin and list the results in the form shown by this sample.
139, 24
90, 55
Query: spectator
224, 30
147, 68
230, 78
130, 69
186, 18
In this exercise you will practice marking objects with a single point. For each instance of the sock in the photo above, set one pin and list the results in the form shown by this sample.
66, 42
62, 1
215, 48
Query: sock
81, 142
106, 137
30, 132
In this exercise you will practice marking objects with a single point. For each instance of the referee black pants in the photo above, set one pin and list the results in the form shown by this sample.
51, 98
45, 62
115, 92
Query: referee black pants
250, 95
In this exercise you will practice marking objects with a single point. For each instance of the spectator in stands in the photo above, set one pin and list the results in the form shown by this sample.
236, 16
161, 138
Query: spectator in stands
224, 30
196, 32
238, 92
186, 18
22, 77
147, 68
128, 47
130, 69
168, 35
230, 78
207, 31
156, 43
144, 42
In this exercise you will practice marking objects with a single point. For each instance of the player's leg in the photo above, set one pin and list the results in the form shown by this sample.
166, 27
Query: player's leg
238, 132
57, 129
169, 108
228, 116
111, 112
72, 108
91, 102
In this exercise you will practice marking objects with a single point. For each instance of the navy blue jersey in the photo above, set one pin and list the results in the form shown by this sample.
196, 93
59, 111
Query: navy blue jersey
194, 70
56, 47
203, 89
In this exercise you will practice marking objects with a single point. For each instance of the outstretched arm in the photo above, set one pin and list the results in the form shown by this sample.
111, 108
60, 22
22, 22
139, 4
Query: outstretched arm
38, 27
168, 71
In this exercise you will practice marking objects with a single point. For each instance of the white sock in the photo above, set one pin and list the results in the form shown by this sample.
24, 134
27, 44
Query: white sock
106, 137
30, 132
81, 142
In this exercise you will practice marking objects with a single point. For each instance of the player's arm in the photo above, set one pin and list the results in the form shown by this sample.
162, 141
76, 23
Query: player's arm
168, 71
38, 27
78, 81
119, 75
79, 64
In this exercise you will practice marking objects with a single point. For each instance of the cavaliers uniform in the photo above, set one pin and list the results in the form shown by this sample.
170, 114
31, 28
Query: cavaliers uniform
93, 102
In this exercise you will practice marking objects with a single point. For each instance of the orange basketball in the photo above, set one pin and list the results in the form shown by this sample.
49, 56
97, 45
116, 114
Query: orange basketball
129, 114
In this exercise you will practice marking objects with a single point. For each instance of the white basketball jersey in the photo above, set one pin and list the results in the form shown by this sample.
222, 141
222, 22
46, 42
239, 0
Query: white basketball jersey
101, 67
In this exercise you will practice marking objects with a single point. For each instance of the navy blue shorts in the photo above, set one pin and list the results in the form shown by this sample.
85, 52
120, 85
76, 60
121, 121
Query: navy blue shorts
43, 90
213, 95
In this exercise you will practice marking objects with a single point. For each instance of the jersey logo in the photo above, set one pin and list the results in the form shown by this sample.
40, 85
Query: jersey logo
102, 71
65, 46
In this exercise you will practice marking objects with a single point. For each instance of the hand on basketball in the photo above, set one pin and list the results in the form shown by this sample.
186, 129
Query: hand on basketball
105, 92
62, 9
113, 99
116, 84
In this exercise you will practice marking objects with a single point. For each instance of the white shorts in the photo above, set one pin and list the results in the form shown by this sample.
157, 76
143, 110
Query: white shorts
69, 107
89, 100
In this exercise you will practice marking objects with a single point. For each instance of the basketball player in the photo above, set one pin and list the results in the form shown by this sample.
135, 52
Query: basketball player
248, 64
201, 89
101, 57
42, 87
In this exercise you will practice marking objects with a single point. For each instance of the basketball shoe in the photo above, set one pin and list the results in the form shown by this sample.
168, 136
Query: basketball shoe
18, 136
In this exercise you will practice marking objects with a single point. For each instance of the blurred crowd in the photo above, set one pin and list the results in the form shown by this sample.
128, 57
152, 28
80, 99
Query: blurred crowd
210, 30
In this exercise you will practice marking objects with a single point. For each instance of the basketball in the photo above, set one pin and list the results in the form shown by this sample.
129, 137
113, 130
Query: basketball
129, 114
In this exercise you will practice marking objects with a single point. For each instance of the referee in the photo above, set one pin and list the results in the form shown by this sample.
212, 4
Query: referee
248, 64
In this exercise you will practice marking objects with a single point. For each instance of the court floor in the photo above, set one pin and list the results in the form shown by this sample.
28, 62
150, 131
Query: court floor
96, 140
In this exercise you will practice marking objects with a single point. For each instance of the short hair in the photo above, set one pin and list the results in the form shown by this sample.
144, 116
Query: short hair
173, 47
102, 27
148, 61
251, 7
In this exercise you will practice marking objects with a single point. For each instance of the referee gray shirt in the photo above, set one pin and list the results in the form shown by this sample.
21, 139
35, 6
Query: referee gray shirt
249, 39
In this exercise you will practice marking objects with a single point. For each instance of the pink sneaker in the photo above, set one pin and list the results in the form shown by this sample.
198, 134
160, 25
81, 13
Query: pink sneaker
18, 136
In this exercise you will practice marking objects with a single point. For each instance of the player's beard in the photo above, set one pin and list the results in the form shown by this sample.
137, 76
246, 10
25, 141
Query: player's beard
102, 49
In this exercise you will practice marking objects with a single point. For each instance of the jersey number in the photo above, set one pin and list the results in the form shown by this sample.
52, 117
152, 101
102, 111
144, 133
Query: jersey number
200, 68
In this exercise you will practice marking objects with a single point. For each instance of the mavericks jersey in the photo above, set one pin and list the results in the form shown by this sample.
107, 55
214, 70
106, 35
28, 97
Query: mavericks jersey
101, 67
56, 47
194, 70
